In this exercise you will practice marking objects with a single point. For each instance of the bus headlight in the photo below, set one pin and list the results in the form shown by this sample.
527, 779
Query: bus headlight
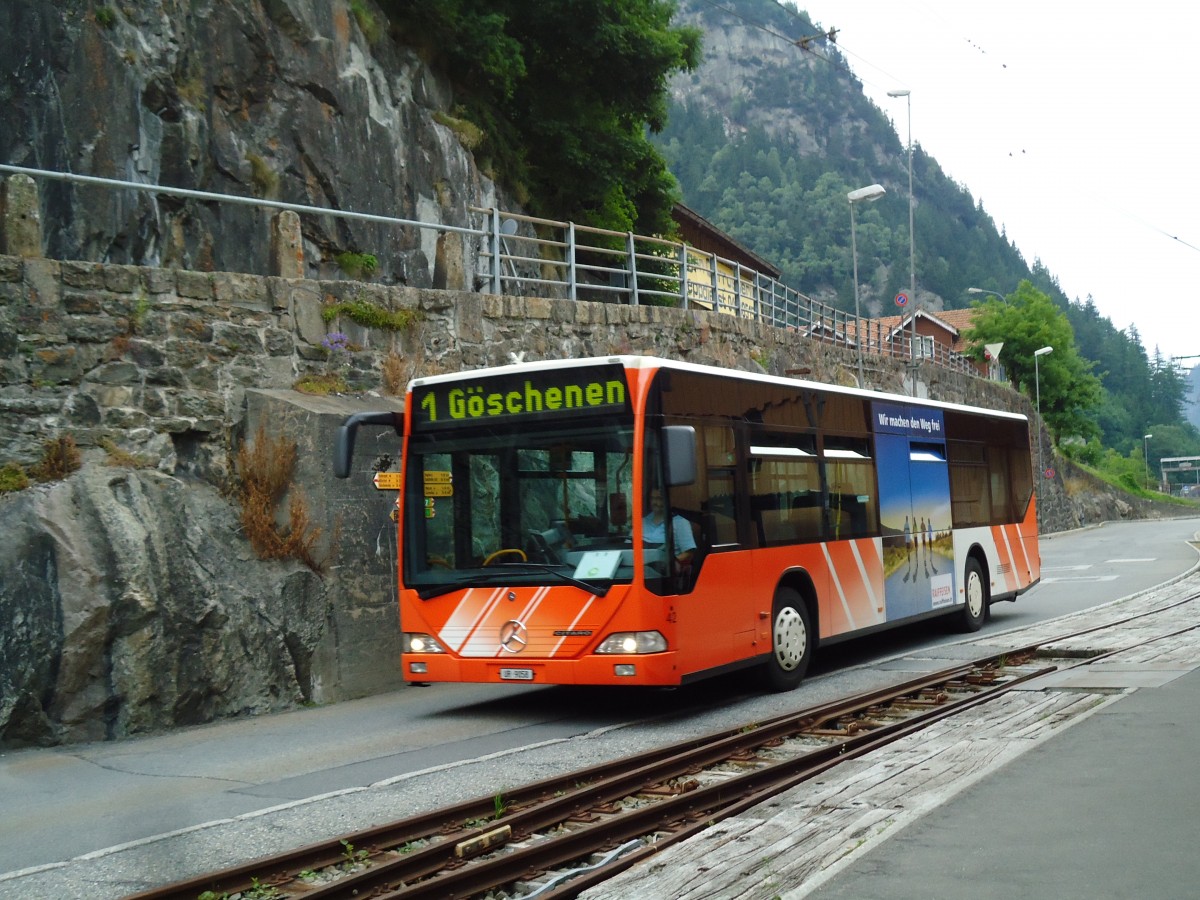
415, 642
628, 642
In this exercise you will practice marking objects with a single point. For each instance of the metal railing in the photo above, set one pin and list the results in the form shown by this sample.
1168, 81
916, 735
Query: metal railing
528, 255
525, 255
233, 199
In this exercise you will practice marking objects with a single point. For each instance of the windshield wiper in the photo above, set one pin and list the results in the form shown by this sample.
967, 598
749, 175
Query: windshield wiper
435, 590
445, 587
598, 590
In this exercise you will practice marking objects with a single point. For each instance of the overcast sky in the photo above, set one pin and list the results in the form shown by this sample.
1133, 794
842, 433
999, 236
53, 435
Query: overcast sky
1075, 126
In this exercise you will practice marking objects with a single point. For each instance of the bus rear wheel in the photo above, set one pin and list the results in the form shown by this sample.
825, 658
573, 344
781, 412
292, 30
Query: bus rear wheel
791, 642
976, 592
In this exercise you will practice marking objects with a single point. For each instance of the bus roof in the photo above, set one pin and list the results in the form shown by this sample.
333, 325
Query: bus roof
655, 362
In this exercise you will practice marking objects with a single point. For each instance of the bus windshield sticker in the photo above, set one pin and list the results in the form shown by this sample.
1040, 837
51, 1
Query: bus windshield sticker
546, 395
598, 564
439, 484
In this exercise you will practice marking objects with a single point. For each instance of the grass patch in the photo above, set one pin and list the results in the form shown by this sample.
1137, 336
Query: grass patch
262, 176
60, 457
367, 22
13, 478
469, 134
358, 265
369, 315
321, 384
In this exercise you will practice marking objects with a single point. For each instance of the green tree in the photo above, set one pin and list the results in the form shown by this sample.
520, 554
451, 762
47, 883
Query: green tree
1168, 390
564, 92
1170, 441
1026, 321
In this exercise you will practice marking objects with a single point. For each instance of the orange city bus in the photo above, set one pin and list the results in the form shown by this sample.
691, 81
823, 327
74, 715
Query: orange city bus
796, 515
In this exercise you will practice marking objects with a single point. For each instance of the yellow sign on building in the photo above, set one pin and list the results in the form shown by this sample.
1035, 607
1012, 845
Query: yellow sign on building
387, 481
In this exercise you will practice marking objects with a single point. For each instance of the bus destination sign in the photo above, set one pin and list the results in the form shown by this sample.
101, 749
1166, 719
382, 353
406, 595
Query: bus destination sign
544, 395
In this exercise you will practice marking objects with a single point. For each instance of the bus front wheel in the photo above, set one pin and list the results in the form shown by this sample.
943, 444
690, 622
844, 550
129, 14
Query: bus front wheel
975, 591
791, 642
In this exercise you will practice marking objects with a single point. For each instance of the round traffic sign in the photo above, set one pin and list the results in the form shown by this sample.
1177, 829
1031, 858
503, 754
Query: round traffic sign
901, 299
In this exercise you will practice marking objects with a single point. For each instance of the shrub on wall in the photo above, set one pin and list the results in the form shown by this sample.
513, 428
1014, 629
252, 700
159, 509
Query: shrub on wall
265, 469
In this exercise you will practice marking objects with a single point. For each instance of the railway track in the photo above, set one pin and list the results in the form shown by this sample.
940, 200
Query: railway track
556, 838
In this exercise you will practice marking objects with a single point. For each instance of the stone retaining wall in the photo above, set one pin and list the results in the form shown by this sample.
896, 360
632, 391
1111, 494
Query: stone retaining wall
154, 358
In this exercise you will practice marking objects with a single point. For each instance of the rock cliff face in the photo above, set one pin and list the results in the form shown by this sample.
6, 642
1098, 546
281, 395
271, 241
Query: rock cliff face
131, 600
286, 99
135, 602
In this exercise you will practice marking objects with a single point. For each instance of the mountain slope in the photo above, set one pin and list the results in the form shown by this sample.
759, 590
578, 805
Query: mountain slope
766, 138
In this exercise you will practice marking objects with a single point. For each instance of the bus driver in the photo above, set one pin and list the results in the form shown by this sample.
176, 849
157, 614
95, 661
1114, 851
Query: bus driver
654, 529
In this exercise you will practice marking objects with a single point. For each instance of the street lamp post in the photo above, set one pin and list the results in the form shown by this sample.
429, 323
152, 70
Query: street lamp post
912, 242
862, 195
1037, 382
1146, 456
974, 290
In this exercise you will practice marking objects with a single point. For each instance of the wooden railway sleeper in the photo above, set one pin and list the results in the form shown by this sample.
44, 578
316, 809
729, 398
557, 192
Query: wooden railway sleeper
983, 677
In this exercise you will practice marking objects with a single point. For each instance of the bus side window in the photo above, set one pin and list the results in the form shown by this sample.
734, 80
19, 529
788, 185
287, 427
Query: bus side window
970, 496
806, 518
718, 504
721, 508
1001, 511
853, 502
785, 483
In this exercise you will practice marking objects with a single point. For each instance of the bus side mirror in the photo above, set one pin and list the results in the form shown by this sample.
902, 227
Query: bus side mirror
343, 449
679, 454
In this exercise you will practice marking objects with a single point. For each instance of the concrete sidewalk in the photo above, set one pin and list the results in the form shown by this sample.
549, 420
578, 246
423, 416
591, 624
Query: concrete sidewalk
1107, 809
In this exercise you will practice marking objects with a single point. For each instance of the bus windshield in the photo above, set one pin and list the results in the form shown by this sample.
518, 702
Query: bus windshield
511, 505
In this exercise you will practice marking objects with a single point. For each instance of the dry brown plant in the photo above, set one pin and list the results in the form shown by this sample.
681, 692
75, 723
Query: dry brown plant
1074, 487
396, 372
119, 345
266, 469
60, 457
118, 456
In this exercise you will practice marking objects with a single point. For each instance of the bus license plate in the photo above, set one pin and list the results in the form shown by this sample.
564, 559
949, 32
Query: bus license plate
516, 674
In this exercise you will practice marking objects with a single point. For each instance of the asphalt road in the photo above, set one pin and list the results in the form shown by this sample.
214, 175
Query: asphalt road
62, 803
